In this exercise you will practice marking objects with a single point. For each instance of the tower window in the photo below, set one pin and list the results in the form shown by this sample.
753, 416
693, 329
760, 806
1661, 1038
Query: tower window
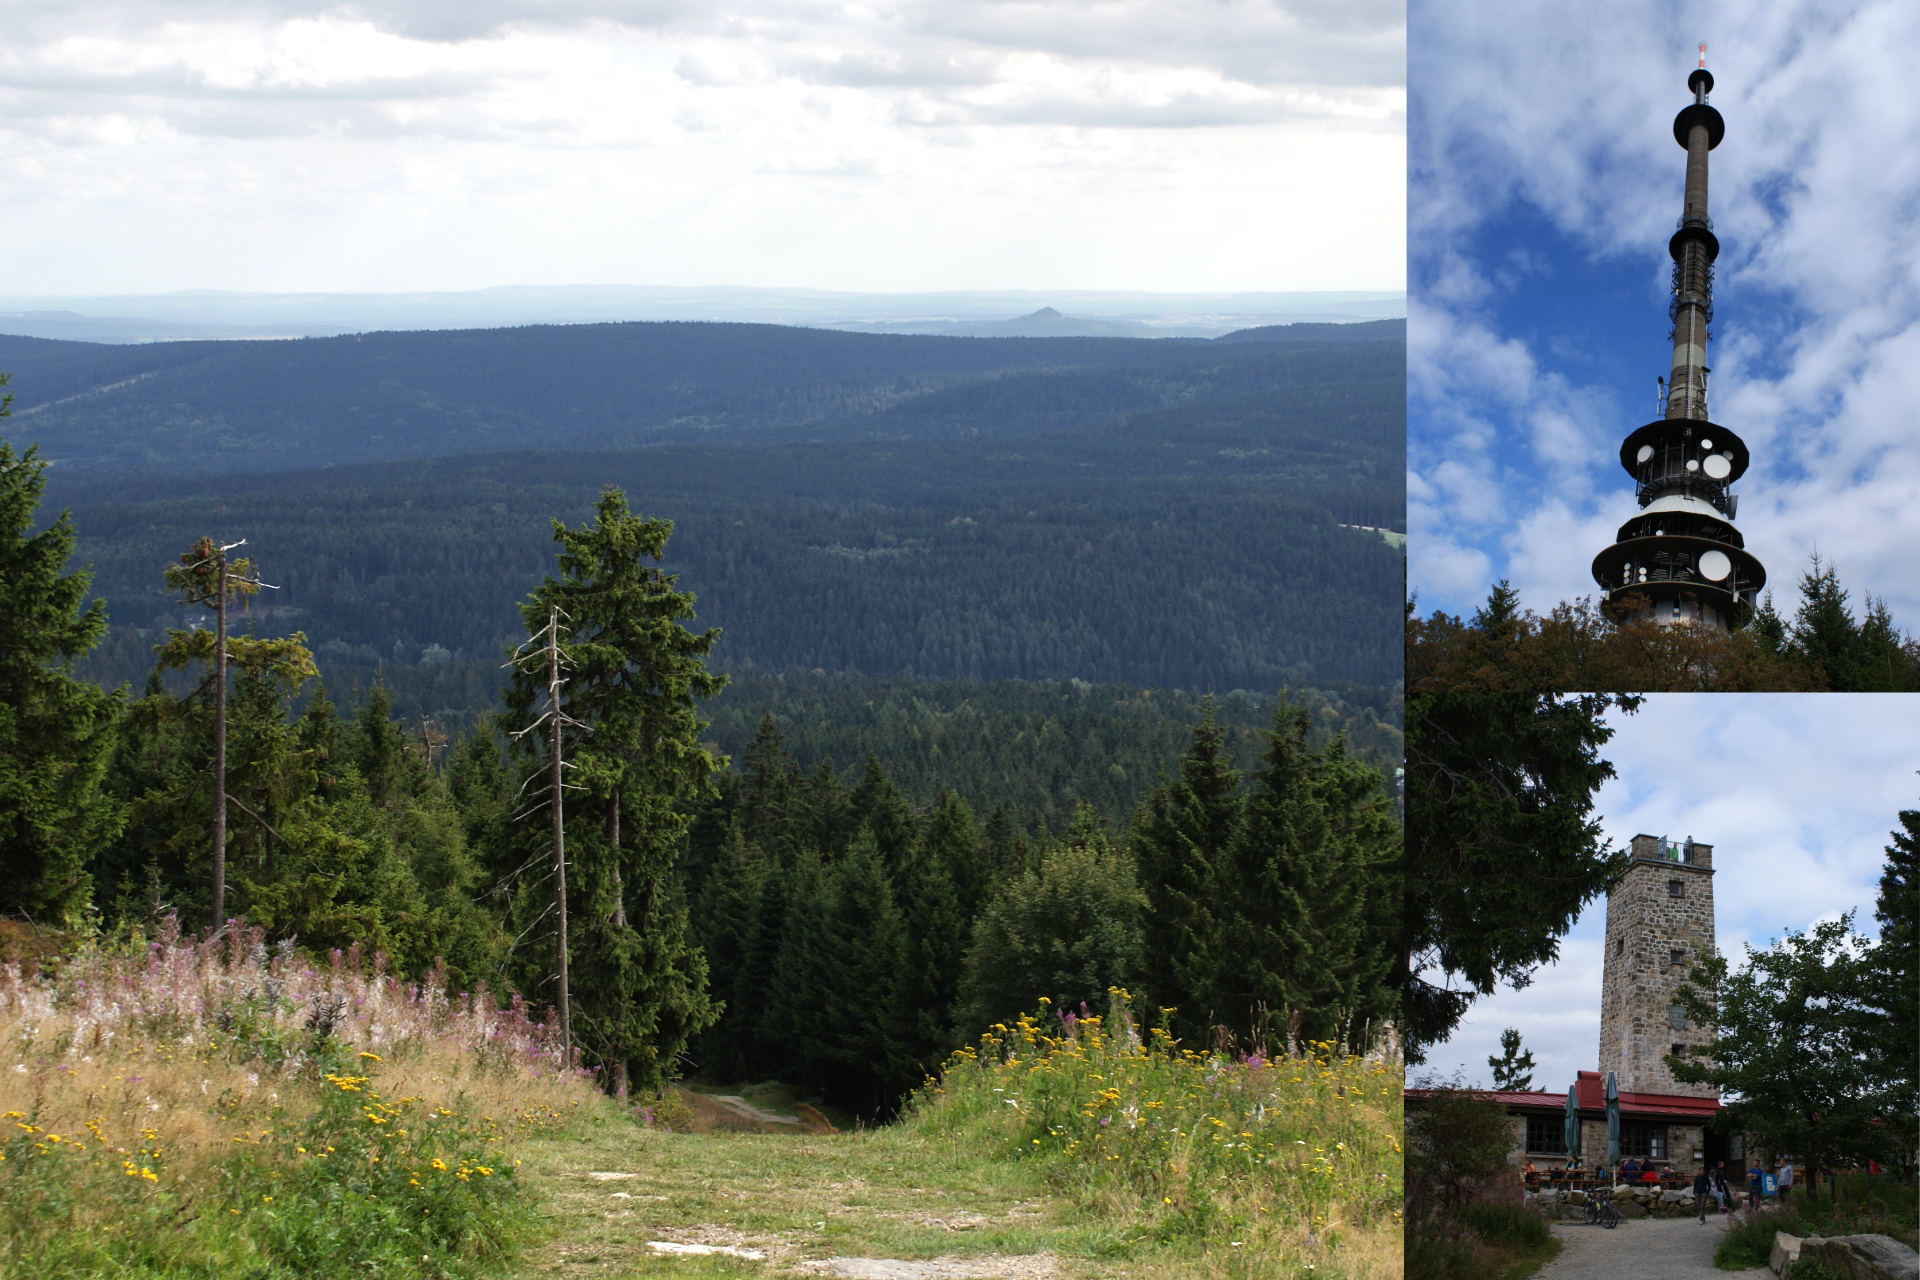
1619, 946
1675, 889
1677, 957
1679, 1051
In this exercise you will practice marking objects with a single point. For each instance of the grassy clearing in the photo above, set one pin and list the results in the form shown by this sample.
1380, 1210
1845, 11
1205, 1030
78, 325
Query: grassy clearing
216, 1111
1078, 1154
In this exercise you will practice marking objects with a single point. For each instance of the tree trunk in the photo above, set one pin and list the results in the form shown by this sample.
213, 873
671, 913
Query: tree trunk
220, 744
557, 782
617, 1073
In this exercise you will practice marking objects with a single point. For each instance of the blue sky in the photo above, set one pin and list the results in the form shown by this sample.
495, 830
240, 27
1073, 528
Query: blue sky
1795, 792
1543, 184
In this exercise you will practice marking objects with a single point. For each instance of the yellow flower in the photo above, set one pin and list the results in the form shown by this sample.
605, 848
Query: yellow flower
371, 1057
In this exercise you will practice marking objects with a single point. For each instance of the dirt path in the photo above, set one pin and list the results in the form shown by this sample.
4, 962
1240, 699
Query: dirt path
1643, 1248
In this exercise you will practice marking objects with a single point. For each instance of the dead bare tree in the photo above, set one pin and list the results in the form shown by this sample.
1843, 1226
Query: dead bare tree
207, 578
556, 722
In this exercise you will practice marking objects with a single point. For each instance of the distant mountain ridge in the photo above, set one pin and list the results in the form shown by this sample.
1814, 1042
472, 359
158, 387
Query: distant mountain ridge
233, 406
203, 314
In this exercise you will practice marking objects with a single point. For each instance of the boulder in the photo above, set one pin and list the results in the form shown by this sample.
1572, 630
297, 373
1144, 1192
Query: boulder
1632, 1209
1576, 1196
1864, 1257
1786, 1252
1675, 1197
1548, 1198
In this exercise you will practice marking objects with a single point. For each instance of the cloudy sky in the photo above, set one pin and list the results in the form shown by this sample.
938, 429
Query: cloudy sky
1544, 182
1797, 795
282, 145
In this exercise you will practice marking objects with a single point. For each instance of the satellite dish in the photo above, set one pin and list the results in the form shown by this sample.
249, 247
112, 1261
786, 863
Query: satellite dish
1646, 451
1718, 467
1715, 566
1693, 464
1706, 444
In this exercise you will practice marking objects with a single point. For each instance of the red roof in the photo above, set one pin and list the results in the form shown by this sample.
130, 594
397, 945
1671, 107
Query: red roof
1590, 1096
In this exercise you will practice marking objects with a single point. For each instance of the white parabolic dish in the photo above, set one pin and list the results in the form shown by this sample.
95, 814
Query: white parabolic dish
1717, 467
1715, 566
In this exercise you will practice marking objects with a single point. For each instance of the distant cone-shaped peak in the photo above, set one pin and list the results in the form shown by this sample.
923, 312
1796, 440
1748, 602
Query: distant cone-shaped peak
1044, 313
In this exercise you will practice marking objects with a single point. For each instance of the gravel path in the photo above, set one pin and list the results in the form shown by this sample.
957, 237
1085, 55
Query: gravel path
1642, 1248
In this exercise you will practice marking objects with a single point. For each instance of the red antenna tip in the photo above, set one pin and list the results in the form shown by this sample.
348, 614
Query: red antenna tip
1703, 55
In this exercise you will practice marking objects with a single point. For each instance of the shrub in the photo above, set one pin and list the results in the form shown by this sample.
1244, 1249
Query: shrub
1509, 1225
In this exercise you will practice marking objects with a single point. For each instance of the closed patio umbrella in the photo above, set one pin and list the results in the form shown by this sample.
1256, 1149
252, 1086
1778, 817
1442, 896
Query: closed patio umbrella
1613, 1122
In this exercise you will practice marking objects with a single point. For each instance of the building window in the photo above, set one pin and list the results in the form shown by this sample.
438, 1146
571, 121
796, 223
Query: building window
1677, 957
1679, 1051
1644, 1141
1675, 889
1546, 1135
1619, 945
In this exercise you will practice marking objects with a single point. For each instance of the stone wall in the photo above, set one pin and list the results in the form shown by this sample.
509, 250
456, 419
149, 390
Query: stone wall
1653, 935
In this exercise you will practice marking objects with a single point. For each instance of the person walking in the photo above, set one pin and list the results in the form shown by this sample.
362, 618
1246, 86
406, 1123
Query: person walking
1702, 1192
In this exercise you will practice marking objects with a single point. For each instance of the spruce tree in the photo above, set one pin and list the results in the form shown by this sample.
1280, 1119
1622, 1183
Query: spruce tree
879, 807
1298, 921
768, 788
1895, 960
951, 835
57, 732
634, 673
1513, 1070
861, 1012
724, 921
928, 987
1180, 841
1825, 638
790, 1038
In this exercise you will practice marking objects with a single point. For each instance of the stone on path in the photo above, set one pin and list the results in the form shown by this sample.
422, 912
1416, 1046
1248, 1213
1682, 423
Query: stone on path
1786, 1252
674, 1247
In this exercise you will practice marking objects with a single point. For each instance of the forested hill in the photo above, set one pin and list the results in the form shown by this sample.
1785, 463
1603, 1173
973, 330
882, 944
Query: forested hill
198, 407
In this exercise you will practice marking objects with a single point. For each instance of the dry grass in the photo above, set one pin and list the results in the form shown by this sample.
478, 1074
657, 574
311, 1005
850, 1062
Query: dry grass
183, 1066
186, 1042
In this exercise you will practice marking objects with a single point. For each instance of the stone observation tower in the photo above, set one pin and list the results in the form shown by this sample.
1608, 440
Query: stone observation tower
1681, 555
1659, 923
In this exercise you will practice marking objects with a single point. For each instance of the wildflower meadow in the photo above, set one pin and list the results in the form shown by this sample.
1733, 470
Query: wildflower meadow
213, 1108
1291, 1164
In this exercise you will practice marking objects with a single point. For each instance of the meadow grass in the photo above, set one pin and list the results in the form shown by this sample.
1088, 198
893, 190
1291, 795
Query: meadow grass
210, 1109
182, 1108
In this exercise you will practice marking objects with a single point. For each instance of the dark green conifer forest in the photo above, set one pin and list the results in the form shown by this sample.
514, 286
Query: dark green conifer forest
960, 724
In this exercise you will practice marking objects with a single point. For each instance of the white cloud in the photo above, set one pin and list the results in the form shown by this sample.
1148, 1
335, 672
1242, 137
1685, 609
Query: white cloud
1555, 115
274, 146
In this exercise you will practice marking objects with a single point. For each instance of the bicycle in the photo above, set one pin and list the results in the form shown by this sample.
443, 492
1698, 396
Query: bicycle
1602, 1213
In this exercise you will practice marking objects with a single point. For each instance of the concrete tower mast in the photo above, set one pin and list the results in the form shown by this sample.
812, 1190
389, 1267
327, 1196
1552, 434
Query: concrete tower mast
1681, 556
